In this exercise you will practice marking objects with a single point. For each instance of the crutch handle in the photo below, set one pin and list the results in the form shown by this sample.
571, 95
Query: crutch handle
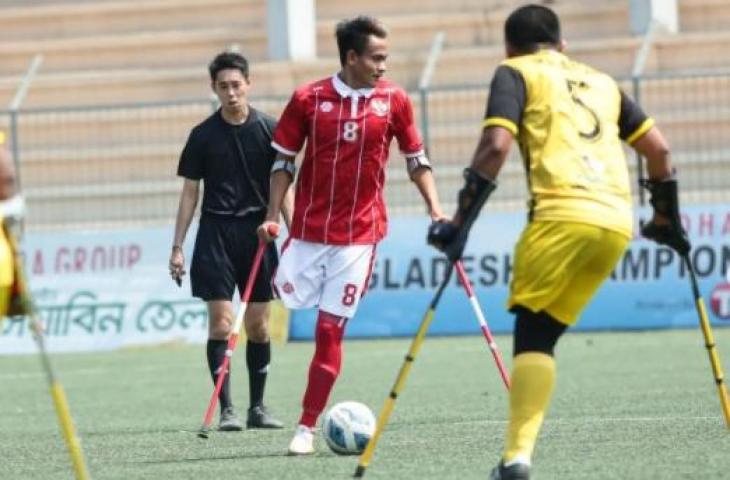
273, 230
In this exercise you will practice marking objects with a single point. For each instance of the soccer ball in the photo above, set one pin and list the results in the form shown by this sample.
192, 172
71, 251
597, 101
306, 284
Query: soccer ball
347, 427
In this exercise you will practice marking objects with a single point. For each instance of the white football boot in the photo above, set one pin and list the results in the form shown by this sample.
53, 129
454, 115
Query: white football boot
303, 441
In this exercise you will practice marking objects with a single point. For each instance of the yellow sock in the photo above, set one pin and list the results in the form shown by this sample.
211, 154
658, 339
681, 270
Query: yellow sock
533, 378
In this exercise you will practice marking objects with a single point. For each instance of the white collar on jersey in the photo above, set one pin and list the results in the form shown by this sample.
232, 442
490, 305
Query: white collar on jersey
347, 91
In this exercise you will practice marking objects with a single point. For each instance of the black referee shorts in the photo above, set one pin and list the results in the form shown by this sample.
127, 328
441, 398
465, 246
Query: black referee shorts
223, 257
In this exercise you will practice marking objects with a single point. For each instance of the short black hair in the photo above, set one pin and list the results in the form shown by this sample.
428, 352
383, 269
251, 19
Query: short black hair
353, 35
529, 26
228, 60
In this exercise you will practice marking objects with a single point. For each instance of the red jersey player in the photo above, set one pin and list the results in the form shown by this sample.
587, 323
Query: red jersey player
348, 122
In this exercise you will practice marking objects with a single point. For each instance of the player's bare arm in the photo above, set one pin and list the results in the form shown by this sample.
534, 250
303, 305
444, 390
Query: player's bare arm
489, 157
423, 178
655, 148
282, 176
492, 151
185, 212
287, 207
479, 183
665, 226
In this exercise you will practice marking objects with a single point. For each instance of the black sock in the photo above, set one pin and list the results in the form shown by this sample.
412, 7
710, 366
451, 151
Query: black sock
216, 350
258, 356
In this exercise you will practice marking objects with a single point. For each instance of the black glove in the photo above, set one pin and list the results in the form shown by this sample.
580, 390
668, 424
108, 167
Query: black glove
448, 238
670, 235
665, 201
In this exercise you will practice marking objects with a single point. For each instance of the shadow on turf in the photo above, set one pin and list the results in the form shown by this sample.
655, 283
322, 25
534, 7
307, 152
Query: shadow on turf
252, 456
141, 431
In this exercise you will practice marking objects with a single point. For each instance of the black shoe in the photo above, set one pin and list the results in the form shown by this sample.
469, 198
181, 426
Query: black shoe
259, 417
229, 421
516, 471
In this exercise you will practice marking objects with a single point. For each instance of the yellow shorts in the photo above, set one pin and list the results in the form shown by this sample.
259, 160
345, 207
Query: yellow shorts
560, 265
5, 294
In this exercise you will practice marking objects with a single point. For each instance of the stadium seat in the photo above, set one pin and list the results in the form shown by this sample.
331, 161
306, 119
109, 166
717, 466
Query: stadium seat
75, 139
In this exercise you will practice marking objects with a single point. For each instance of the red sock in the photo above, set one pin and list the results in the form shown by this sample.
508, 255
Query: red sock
325, 366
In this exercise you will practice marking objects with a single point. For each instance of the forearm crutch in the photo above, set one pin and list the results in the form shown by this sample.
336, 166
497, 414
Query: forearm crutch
232, 340
709, 342
27, 305
61, 404
387, 409
482, 322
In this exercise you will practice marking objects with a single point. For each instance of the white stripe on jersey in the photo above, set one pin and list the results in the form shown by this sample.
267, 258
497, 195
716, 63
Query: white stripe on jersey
359, 163
283, 150
314, 164
382, 173
334, 170
354, 103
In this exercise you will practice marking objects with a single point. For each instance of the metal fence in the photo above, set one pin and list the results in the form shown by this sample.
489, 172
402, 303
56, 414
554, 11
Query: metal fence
116, 164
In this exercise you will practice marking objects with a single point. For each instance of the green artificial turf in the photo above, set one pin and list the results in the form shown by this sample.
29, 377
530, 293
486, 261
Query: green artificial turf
627, 406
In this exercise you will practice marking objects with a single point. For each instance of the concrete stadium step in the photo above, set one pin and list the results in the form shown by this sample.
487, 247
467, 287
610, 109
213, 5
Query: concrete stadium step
270, 78
25, 20
456, 66
336, 9
150, 49
117, 126
157, 48
149, 44
670, 95
152, 85
69, 19
480, 26
72, 18
694, 50
455, 115
704, 15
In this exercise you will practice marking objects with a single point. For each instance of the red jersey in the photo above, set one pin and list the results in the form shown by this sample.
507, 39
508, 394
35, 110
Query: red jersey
339, 191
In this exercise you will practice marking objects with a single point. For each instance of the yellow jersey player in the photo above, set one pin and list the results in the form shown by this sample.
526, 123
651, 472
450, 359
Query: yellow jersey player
11, 208
569, 120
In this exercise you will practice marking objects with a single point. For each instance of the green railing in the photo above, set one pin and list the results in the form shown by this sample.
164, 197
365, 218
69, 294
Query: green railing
116, 164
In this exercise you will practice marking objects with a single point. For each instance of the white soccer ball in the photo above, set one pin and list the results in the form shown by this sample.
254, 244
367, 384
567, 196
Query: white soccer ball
347, 427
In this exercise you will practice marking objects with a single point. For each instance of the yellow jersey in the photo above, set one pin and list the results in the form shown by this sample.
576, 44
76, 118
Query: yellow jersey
569, 120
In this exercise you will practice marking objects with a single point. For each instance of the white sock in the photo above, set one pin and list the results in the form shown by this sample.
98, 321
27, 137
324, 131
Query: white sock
520, 458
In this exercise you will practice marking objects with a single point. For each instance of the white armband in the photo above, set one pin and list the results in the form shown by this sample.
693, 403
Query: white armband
13, 208
285, 165
415, 162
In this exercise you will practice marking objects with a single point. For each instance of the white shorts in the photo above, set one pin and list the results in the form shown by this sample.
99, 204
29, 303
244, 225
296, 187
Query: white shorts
330, 277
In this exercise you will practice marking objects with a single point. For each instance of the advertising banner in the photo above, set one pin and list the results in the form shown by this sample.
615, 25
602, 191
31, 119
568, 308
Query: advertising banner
105, 290
110, 289
649, 287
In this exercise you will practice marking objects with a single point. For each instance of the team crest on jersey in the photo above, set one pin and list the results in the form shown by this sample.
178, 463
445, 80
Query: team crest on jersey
326, 107
379, 107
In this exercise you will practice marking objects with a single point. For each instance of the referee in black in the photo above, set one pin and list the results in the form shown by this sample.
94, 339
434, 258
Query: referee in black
231, 152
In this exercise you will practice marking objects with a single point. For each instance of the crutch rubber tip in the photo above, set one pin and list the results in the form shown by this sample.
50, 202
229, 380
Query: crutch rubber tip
204, 433
360, 472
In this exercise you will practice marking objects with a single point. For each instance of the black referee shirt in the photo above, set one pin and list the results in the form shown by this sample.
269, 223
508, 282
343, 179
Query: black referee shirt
235, 180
